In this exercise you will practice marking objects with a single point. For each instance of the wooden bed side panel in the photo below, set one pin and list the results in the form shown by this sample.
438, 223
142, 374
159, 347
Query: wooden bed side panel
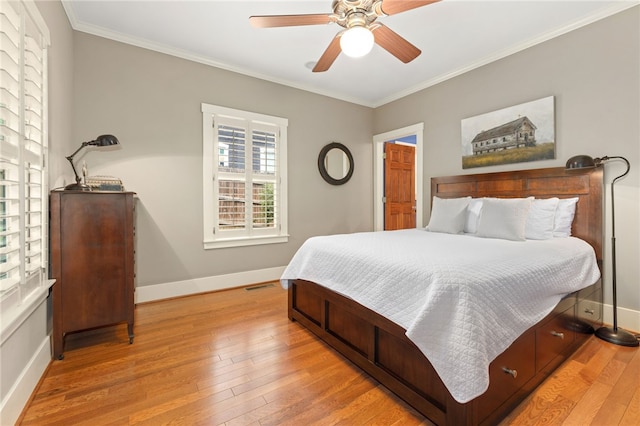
309, 304
351, 329
380, 359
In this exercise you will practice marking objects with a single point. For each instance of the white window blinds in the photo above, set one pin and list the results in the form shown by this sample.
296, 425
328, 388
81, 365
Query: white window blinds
23, 145
244, 167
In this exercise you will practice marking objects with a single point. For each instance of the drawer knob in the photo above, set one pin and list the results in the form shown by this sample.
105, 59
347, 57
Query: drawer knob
514, 373
557, 334
589, 311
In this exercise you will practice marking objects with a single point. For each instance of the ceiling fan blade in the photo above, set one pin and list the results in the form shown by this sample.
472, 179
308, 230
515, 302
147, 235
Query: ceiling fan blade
329, 55
290, 20
390, 41
391, 7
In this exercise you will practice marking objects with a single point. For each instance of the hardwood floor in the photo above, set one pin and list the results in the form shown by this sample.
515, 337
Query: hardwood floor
234, 358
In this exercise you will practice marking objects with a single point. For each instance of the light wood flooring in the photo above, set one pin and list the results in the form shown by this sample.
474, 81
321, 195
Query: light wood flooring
234, 358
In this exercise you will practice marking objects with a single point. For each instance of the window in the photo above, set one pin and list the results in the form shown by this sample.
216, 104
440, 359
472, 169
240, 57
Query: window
244, 178
23, 143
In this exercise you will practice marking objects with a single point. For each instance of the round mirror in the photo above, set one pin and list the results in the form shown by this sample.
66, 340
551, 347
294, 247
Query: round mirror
335, 163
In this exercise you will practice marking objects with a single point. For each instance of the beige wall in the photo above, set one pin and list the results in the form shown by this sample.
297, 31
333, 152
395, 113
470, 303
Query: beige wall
151, 102
61, 73
594, 74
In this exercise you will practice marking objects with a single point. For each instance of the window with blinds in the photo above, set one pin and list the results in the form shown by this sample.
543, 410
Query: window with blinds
23, 143
244, 164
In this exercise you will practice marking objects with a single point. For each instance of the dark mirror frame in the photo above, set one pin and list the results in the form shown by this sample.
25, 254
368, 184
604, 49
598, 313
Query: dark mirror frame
321, 161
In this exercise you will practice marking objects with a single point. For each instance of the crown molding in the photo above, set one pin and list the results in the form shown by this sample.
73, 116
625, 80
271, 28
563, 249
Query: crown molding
149, 45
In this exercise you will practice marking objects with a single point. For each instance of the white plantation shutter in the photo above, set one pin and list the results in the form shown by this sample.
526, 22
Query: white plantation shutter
9, 226
23, 148
231, 182
244, 165
264, 178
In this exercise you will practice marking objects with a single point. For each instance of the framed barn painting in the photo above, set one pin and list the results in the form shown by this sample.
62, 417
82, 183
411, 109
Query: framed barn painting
520, 133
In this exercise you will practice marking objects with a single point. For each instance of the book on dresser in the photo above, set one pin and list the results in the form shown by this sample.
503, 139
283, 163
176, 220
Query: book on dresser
92, 261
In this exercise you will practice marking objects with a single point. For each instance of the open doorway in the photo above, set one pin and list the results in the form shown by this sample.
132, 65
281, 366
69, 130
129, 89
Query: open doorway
407, 136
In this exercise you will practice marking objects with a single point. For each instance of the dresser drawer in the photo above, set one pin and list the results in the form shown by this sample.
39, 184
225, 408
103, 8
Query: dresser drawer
553, 338
508, 373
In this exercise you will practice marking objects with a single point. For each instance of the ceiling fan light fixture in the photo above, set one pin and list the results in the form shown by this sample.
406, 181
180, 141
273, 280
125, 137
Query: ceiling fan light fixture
357, 41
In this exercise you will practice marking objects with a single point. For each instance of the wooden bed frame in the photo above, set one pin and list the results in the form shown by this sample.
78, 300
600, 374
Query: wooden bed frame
380, 347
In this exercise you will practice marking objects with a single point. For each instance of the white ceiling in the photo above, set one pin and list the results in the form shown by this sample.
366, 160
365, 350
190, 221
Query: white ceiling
455, 36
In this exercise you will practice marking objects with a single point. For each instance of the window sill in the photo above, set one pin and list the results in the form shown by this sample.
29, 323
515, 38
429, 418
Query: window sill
244, 242
15, 316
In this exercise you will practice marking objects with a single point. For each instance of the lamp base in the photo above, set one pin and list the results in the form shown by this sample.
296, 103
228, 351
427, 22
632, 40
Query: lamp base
77, 187
579, 326
617, 336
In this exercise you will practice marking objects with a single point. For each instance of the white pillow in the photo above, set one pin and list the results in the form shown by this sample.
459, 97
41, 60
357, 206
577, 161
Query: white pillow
564, 217
541, 218
473, 214
504, 218
448, 215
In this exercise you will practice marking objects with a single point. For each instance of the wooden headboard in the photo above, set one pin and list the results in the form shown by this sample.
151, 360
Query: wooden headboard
586, 184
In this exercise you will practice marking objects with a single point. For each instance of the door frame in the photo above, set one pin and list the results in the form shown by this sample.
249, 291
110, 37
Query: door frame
378, 172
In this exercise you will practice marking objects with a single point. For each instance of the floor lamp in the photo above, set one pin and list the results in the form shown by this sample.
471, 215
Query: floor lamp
613, 334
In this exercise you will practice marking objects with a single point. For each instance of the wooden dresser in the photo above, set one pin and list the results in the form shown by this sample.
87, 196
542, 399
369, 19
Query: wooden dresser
92, 261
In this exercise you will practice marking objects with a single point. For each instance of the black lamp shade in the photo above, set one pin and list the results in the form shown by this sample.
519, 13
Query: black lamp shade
105, 140
580, 162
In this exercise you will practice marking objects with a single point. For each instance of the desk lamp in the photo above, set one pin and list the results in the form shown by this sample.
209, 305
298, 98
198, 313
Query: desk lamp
100, 141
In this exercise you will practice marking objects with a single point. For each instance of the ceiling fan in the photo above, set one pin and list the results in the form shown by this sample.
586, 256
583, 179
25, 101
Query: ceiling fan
358, 17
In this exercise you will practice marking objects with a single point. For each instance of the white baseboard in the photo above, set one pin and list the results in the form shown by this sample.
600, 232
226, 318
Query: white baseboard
150, 293
21, 391
627, 318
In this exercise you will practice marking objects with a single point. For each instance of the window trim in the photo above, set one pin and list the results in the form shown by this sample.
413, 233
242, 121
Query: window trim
210, 154
19, 299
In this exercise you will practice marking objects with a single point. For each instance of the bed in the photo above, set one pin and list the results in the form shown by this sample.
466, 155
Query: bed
382, 347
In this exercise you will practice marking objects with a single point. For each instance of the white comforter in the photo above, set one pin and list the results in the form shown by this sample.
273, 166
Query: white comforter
462, 299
